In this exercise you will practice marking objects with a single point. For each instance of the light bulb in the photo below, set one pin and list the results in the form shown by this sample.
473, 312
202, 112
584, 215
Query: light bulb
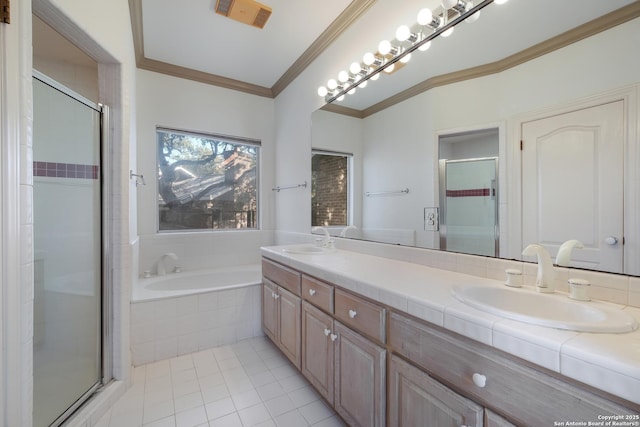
403, 33
369, 58
352, 91
340, 98
406, 58
363, 84
322, 91
332, 84
355, 68
375, 77
390, 68
425, 16
384, 47
447, 33
343, 76
425, 46
448, 4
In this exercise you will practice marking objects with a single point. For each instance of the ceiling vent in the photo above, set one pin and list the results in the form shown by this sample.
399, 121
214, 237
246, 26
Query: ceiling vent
246, 11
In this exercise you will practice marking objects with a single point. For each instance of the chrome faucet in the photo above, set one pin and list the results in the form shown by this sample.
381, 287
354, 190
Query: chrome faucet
546, 274
563, 258
160, 268
343, 233
327, 236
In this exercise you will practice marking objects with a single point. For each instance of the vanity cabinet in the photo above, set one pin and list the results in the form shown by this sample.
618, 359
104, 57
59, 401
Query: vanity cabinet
528, 396
417, 400
347, 369
281, 308
377, 366
318, 350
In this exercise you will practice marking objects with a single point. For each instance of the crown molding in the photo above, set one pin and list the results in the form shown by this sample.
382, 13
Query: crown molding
574, 35
355, 9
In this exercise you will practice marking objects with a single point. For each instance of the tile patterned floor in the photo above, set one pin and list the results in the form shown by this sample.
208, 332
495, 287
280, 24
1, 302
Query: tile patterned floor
249, 383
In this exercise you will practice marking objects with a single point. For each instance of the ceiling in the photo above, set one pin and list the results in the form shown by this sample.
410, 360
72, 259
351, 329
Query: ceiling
189, 39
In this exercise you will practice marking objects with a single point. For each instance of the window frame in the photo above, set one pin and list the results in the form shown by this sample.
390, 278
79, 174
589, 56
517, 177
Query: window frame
216, 136
350, 185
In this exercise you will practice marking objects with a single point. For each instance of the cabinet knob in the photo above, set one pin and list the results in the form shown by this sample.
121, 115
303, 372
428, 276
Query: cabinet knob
327, 332
479, 380
276, 296
333, 337
352, 313
312, 292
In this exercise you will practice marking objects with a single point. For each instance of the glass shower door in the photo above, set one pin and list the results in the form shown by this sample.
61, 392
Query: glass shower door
67, 347
469, 206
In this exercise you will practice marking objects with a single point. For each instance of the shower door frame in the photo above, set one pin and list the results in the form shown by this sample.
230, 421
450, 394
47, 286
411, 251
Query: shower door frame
442, 177
106, 327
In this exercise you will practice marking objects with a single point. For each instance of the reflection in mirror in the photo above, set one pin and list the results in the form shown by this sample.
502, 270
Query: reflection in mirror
330, 189
468, 175
396, 144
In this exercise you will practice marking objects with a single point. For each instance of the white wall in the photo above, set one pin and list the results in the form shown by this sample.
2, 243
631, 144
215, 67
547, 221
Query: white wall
408, 132
187, 105
554, 79
103, 30
342, 134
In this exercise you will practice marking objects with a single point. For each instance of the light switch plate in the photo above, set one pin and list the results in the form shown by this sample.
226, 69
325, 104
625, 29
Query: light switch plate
431, 219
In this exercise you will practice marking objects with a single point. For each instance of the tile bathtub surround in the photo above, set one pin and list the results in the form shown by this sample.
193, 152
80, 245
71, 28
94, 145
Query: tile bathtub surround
170, 327
249, 383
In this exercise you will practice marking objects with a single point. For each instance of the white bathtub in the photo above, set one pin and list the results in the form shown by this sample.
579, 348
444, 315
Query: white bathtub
196, 281
185, 312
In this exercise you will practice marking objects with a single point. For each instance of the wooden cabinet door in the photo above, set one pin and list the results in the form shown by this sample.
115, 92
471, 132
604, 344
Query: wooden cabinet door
317, 350
359, 379
491, 419
269, 310
417, 400
289, 325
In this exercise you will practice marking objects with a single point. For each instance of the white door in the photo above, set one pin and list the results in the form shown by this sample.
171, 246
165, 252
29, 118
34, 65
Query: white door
572, 184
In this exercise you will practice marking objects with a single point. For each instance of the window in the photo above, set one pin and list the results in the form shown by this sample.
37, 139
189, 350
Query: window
206, 181
330, 182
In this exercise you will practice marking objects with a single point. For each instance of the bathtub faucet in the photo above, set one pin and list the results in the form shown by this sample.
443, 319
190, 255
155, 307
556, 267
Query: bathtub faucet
160, 268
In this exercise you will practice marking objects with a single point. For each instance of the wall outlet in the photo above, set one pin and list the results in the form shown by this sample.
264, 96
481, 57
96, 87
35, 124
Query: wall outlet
431, 219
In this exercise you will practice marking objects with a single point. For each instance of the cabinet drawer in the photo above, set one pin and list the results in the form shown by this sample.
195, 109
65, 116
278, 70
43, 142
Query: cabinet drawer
360, 315
511, 387
281, 275
318, 293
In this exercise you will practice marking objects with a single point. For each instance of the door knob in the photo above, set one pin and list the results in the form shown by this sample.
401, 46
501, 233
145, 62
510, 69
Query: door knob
611, 240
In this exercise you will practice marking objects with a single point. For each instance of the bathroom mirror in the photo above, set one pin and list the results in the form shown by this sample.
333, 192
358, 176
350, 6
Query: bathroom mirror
479, 78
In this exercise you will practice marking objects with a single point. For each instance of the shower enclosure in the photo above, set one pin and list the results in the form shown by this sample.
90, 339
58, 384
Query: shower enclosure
69, 302
469, 206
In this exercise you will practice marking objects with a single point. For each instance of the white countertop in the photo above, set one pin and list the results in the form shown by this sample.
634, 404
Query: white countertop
610, 362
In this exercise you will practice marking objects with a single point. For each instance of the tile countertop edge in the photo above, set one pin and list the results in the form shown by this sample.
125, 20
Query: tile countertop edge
368, 284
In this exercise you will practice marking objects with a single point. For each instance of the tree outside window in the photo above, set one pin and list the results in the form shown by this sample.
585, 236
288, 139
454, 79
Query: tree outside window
206, 181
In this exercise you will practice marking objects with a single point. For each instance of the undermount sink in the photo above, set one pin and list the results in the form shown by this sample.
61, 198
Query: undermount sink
308, 250
550, 310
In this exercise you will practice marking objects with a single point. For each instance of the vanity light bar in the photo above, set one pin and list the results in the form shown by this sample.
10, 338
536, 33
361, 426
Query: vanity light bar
378, 62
